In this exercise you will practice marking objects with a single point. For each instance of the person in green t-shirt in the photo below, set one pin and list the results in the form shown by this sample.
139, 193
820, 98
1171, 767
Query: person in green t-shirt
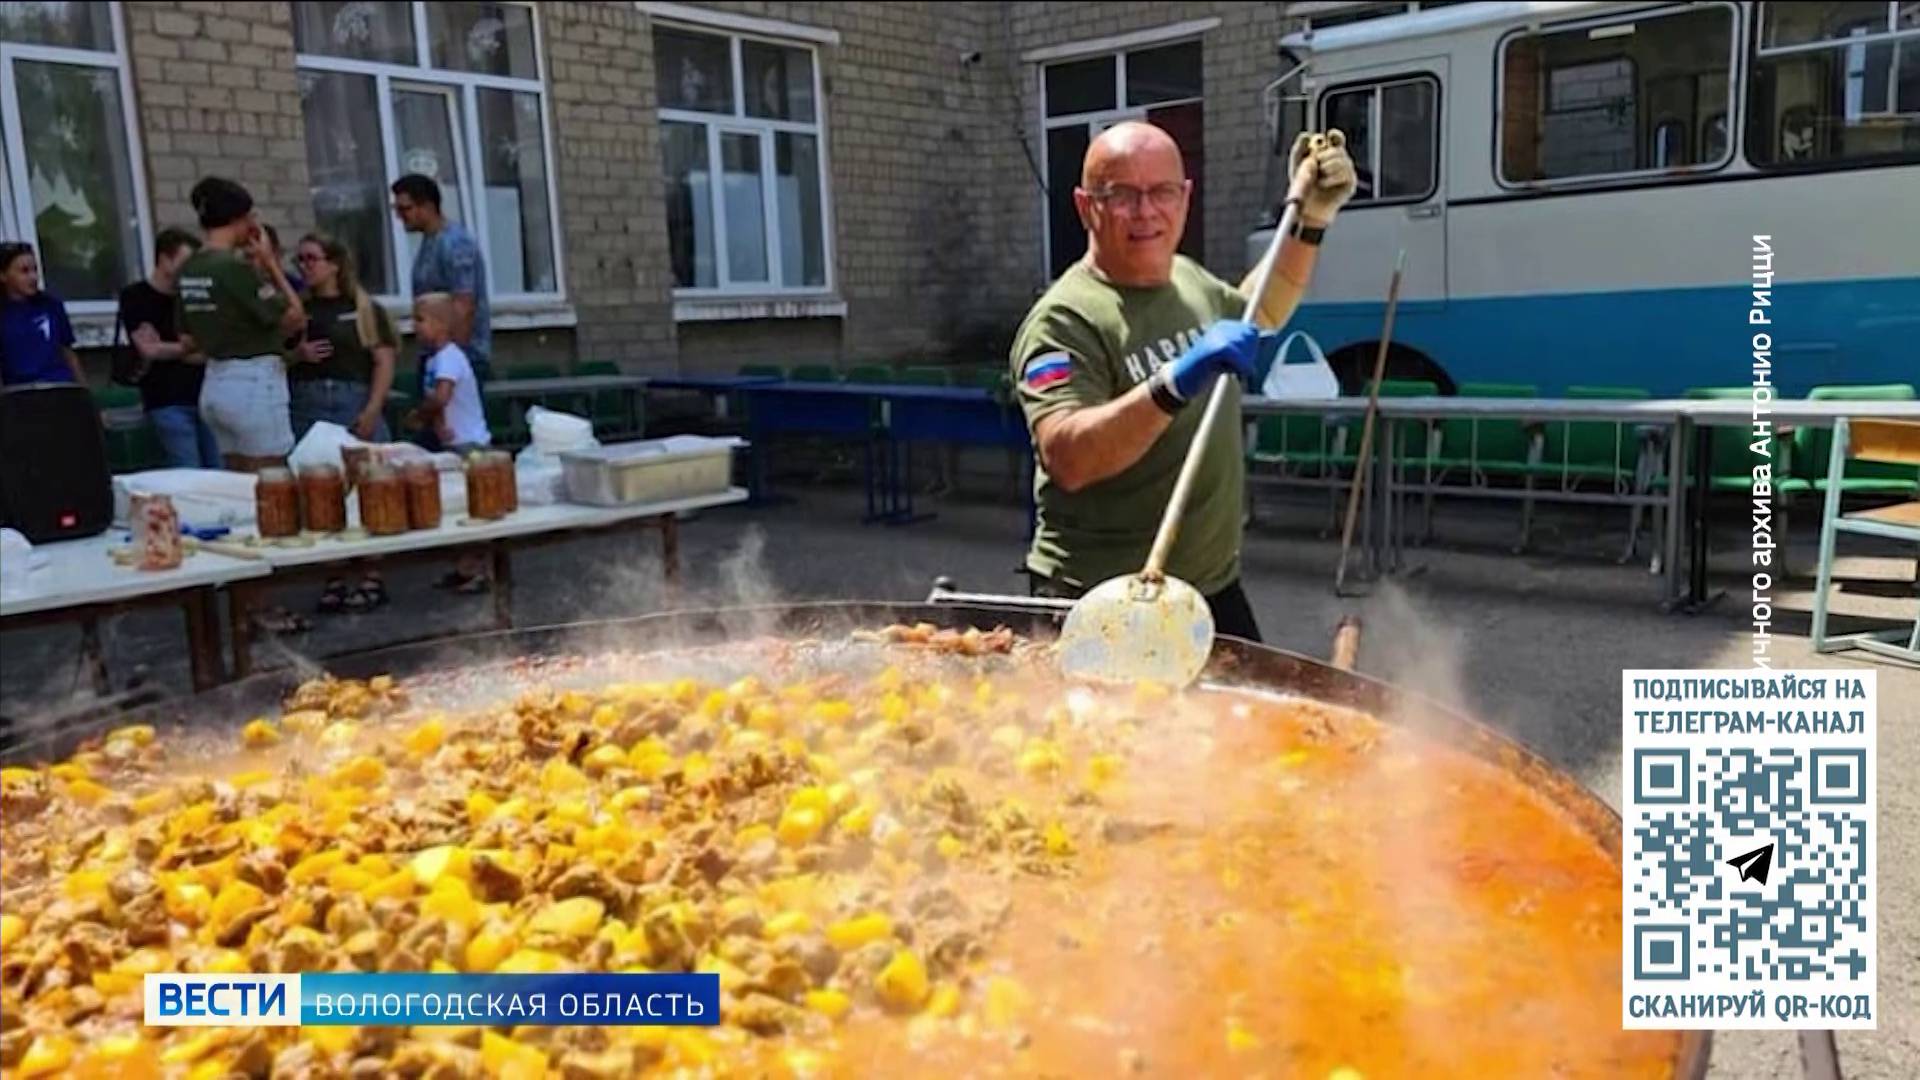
234, 303
1108, 361
343, 366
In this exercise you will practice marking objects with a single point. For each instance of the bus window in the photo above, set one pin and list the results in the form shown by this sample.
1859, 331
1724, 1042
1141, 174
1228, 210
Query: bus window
1835, 83
1593, 101
1351, 111
1393, 135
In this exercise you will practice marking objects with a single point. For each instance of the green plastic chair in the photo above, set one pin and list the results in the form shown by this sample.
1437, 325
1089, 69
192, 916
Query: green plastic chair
812, 373
1297, 439
134, 449
1491, 447
763, 371
986, 378
115, 397
924, 375
1625, 457
1733, 462
533, 371
1484, 449
1593, 449
1415, 442
1813, 447
503, 420
609, 407
868, 373
1304, 446
1733, 447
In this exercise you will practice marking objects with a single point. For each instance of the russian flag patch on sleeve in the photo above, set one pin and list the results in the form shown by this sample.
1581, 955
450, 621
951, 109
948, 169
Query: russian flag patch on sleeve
1047, 369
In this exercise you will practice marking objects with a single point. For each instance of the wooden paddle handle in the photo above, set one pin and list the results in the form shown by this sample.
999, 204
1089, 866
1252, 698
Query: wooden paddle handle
1216, 400
1365, 456
1346, 643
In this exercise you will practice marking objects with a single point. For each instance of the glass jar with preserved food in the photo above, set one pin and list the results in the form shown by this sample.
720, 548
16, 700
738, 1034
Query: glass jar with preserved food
156, 532
323, 492
490, 485
383, 501
423, 495
276, 503
355, 459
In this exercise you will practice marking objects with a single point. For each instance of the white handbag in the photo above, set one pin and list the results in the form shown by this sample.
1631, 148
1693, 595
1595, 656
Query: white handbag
1309, 380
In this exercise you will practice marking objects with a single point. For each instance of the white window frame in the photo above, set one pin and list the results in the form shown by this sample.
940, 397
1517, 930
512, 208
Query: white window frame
465, 87
1098, 120
16, 189
1734, 29
739, 123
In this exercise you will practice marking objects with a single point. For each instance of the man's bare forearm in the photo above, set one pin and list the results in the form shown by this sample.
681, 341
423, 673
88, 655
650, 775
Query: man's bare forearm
1287, 285
463, 307
1085, 446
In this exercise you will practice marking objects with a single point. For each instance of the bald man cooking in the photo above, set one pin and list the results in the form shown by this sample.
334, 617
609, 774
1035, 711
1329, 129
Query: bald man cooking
1112, 366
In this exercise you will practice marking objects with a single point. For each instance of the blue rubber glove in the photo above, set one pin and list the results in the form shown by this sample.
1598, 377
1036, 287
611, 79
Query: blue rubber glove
1229, 347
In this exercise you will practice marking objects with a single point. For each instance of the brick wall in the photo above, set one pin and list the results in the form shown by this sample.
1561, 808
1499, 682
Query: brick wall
215, 88
935, 209
937, 212
915, 203
613, 227
1238, 59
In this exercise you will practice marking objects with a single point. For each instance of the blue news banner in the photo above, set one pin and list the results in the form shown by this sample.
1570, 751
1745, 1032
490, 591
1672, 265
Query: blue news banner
409, 999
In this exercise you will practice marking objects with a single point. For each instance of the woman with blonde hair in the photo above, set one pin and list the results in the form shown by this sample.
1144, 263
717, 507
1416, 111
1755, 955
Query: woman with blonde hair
342, 371
343, 366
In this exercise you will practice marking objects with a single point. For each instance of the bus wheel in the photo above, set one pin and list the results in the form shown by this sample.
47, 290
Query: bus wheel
1353, 365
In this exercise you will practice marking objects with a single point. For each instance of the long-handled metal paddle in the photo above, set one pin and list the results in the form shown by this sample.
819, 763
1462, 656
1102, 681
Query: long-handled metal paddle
1152, 626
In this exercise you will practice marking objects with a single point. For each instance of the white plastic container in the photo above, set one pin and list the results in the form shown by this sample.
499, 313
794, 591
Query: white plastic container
652, 470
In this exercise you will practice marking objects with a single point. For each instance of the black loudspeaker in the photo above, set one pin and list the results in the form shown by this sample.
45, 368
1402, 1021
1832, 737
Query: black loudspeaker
55, 483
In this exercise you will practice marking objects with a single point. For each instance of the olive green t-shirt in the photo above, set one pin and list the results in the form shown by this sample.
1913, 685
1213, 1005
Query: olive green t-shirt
336, 318
1088, 341
228, 308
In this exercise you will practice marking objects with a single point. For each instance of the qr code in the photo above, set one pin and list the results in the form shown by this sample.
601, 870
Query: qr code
1747, 876
1791, 910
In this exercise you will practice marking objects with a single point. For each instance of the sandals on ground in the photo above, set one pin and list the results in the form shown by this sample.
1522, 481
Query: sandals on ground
374, 588
333, 599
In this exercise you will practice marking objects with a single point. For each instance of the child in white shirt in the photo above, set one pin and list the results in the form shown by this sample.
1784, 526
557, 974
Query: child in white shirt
451, 405
452, 400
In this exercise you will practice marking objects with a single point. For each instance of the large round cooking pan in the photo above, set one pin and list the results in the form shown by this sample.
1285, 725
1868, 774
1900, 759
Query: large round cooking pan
509, 654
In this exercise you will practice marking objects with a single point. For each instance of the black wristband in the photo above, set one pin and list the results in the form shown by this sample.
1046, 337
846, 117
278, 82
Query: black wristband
1310, 235
1160, 388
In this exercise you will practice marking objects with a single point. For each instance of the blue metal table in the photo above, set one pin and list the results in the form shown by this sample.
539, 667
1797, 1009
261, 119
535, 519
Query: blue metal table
720, 387
834, 410
953, 415
887, 419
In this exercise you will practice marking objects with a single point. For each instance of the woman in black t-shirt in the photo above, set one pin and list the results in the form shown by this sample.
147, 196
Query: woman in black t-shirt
343, 365
166, 369
342, 370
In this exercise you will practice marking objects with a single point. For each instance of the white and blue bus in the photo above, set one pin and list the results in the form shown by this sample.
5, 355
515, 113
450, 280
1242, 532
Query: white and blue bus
1577, 187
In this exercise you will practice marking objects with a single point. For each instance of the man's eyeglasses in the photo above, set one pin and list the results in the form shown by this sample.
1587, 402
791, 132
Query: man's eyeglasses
307, 258
1128, 198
